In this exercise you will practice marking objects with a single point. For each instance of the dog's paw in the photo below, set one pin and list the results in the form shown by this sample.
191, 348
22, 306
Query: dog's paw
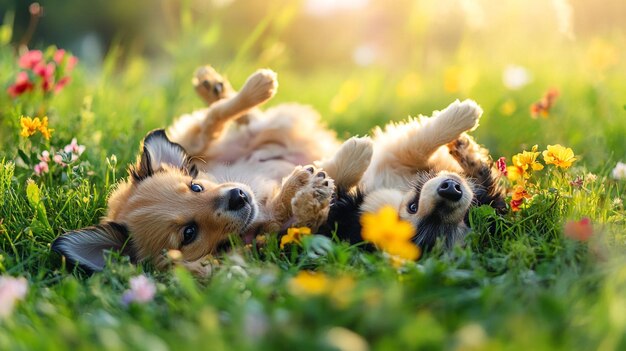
462, 115
311, 203
260, 87
210, 85
471, 157
201, 268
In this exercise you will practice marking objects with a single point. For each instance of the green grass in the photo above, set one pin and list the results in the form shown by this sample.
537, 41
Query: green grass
524, 286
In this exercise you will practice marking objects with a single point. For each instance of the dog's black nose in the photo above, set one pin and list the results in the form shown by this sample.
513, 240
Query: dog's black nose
237, 199
450, 189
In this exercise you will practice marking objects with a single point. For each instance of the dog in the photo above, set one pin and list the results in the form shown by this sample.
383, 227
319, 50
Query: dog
430, 171
210, 176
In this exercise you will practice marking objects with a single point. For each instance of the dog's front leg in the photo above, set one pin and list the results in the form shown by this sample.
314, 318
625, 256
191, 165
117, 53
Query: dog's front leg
211, 86
477, 164
303, 200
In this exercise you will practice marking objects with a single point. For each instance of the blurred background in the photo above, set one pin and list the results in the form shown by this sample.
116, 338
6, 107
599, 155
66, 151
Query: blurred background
364, 62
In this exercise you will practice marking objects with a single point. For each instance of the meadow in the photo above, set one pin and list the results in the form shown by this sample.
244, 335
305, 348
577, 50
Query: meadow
548, 275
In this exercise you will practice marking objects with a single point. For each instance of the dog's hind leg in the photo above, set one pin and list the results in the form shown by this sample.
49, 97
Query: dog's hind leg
196, 132
349, 163
477, 164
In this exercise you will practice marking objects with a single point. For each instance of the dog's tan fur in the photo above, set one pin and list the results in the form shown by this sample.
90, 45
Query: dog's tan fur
262, 159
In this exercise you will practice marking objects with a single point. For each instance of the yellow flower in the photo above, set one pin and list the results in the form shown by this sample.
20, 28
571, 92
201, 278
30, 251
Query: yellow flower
522, 164
29, 126
349, 92
602, 54
309, 283
508, 107
43, 128
294, 235
559, 156
389, 233
459, 79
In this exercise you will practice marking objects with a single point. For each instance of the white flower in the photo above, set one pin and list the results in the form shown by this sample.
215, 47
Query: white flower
326, 7
141, 290
515, 77
619, 172
364, 55
11, 290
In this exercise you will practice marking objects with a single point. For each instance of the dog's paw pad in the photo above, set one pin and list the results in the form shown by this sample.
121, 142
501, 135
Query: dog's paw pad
311, 204
209, 84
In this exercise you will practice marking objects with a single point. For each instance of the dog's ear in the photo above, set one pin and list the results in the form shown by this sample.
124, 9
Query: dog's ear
158, 151
87, 246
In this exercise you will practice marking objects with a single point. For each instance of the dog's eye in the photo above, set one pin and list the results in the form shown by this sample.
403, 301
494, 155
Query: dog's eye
189, 234
412, 208
197, 188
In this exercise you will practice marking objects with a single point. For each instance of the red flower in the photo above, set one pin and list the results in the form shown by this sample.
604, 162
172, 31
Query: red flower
579, 230
22, 85
62, 83
30, 59
46, 72
501, 164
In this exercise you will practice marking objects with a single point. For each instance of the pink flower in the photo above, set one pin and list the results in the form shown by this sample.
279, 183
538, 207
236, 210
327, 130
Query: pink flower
41, 167
579, 230
11, 290
577, 183
141, 290
22, 85
74, 148
60, 54
58, 159
30, 59
501, 164
45, 156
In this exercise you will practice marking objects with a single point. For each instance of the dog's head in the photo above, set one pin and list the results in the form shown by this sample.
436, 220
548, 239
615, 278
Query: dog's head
436, 205
165, 204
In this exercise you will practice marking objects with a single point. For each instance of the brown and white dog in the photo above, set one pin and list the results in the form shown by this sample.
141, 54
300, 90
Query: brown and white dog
430, 171
208, 178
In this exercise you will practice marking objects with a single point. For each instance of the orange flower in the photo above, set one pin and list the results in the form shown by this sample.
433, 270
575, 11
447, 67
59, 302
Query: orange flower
294, 235
518, 196
579, 230
543, 106
558, 155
